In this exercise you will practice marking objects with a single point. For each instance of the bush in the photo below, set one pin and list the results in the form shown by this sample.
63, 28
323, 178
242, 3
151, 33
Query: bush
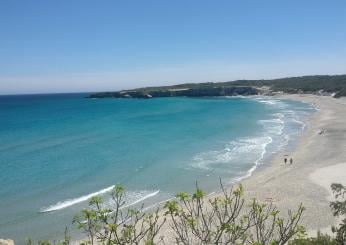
226, 220
115, 226
197, 219
193, 219
339, 210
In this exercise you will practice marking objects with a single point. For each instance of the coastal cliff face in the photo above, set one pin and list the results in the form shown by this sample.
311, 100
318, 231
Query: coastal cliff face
177, 92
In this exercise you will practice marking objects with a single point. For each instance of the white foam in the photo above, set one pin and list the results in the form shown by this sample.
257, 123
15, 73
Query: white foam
238, 151
268, 102
74, 201
273, 126
271, 102
237, 96
257, 162
132, 198
141, 199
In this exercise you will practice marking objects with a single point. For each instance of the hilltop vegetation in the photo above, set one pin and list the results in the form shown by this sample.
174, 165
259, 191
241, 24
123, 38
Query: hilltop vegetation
306, 84
335, 85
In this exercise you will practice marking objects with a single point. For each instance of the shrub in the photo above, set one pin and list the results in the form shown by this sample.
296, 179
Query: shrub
116, 226
339, 210
228, 220
192, 219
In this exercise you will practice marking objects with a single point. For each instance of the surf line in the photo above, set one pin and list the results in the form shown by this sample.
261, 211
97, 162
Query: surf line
70, 202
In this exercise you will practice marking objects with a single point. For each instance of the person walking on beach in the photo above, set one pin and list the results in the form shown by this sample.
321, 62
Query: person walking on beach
291, 161
285, 160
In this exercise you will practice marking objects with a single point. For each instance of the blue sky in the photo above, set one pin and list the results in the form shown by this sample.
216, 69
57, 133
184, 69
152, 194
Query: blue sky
84, 45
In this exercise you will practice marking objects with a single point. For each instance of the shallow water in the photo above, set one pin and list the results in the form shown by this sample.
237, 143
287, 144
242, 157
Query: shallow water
57, 151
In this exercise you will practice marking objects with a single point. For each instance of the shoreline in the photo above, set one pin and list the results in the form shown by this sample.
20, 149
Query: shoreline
289, 185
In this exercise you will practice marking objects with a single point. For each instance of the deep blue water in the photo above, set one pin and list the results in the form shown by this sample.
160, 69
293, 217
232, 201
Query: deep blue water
58, 150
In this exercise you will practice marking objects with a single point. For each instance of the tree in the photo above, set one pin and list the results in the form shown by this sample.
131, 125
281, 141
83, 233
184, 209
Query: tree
339, 210
116, 226
225, 220
193, 218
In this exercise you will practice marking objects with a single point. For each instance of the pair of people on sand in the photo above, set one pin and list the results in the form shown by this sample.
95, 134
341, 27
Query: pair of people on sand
291, 160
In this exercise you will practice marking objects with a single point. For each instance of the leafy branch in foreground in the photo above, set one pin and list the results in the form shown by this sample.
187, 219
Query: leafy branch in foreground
227, 220
339, 210
115, 226
189, 219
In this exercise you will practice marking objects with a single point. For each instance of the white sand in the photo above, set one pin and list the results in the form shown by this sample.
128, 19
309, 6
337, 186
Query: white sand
316, 165
329, 175
319, 160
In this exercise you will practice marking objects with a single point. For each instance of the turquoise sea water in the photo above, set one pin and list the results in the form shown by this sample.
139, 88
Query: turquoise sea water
56, 151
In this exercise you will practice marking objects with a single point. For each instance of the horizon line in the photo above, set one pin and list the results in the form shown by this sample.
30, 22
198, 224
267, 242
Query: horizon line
100, 91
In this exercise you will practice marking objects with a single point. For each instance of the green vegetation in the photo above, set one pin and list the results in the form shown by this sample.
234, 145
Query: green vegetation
116, 226
197, 219
339, 210
229, 220
307, 84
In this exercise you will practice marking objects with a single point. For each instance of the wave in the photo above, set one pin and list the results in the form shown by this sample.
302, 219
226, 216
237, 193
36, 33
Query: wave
273, 126
132, 198
236, 96
268, 102
279, 128
295, 116
141, 199
248, 153
74, 201
247, 150
271, 102
257, 162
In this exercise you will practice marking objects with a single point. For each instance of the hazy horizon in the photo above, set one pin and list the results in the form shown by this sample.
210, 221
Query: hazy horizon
158, 84
81, 46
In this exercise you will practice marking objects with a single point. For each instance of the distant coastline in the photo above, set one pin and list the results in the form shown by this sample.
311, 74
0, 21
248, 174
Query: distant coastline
334, 86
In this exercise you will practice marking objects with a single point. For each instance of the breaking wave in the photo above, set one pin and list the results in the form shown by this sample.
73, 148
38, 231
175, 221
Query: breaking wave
137, 197
71, 202
131, 198
248, 150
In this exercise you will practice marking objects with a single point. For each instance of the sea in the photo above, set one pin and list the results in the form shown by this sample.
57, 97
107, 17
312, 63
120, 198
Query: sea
59, 150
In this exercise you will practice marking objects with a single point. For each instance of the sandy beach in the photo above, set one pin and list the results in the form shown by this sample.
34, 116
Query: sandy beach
318, 161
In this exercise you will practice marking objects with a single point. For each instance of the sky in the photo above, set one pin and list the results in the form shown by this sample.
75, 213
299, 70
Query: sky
89, 45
